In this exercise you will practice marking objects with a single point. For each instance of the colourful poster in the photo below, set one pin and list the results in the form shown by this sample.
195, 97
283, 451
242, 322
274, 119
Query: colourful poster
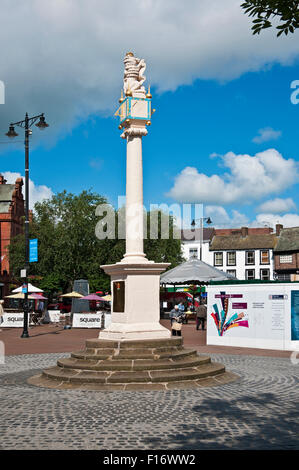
224, 320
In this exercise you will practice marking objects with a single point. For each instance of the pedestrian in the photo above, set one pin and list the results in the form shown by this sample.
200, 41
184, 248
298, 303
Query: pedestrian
174, 313
176, 326
201, 316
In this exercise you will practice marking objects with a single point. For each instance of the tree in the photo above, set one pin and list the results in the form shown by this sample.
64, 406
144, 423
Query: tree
69, 249
264, 11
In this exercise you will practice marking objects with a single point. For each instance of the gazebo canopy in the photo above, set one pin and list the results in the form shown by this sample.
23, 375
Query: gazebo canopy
31, 289
194, 271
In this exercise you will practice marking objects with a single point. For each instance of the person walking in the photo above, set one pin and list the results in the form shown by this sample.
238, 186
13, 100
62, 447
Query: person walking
201, 316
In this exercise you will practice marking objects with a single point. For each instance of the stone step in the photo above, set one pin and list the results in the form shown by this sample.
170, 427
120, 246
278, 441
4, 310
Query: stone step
134, 344
88, 356
206, 370
116, 354
132, 351
76, 376
169, 364
139, 364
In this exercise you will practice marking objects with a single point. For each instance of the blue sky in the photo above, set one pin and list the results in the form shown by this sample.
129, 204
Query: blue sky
205, 125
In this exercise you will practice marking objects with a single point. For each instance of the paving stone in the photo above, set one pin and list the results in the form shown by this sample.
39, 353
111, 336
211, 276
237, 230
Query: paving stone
258, 411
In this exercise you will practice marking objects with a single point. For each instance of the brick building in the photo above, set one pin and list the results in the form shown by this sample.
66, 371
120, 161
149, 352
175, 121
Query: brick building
11, 224
286, 254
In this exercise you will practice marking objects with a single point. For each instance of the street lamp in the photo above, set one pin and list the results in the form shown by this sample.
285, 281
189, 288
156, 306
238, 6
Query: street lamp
202, 220
25, 124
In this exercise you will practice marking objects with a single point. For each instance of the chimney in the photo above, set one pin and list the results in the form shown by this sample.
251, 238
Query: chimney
244, 232
279, 228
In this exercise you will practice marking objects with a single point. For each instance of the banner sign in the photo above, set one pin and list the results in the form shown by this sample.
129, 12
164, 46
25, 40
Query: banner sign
12, 320
33, 251
87, 320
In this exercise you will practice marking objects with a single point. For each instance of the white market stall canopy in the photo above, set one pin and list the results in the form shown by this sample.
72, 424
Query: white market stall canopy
31, 289
194, 271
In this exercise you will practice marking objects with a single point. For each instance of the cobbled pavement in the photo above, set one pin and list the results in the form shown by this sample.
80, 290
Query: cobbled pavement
259, 411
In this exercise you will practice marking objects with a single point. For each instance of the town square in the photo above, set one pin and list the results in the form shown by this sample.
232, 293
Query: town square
149, 281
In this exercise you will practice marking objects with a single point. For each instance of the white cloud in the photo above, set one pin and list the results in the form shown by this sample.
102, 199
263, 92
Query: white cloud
249, 178
64, 57
37, 193
277, 206
287, 220
221, 218
266, 134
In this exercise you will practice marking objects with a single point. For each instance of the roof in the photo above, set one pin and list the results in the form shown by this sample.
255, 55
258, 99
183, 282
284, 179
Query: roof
193, 271
188, 235
288, 240
238, 231
250, 242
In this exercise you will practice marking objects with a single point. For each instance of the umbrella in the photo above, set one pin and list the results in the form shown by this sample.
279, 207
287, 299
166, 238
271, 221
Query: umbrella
31, 289
74, 295
39, 297
92, 297
107, 298
20, 295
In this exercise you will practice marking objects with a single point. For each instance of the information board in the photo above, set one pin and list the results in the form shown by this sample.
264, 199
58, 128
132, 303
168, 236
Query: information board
254, 315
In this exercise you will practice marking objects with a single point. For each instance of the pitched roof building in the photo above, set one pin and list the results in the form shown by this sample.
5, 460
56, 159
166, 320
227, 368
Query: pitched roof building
11, 224
195, 243
286, 254
245, 253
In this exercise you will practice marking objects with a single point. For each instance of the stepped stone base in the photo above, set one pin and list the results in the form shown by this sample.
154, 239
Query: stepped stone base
158, 364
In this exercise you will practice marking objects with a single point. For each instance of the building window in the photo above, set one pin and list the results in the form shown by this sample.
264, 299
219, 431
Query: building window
286, 259
218, 258
193, 253
265, 259
249, 257
249, 274
283, 277
265, 274
232, 272
231, 258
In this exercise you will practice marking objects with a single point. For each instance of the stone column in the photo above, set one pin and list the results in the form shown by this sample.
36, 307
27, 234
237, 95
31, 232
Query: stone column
135, 281
134, 196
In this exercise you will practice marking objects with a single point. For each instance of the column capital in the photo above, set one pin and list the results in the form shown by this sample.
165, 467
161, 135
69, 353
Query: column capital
134, 131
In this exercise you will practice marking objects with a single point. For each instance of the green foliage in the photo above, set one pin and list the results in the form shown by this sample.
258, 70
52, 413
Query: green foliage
264, 11
68, 248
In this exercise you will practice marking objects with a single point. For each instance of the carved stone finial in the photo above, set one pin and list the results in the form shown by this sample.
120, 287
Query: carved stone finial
134, 76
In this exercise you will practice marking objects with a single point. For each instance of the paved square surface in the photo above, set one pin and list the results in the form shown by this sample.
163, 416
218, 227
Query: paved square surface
258, 411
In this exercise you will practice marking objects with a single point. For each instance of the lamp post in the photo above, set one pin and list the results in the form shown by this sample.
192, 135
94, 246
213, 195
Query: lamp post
201, 220
25, 124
